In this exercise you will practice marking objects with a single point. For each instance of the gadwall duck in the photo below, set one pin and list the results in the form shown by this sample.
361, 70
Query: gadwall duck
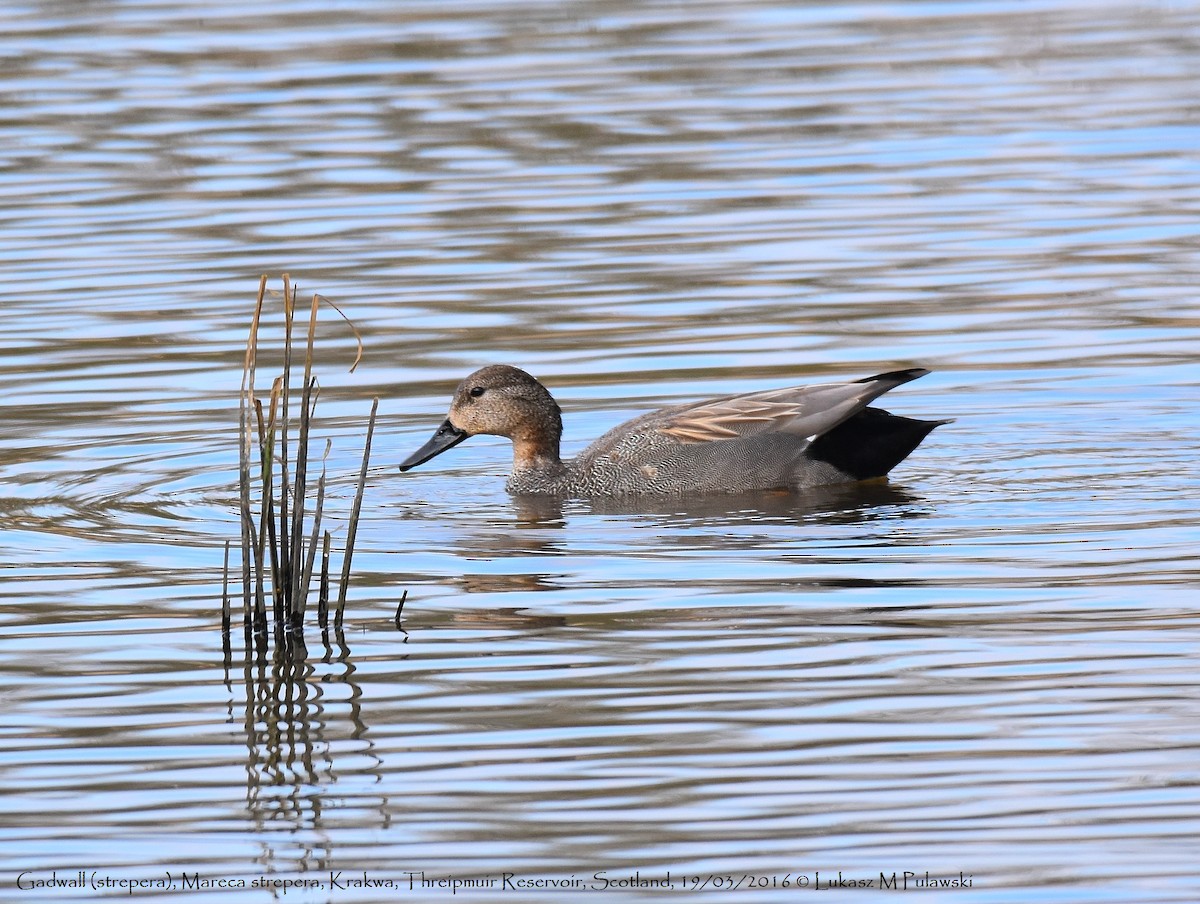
798, 437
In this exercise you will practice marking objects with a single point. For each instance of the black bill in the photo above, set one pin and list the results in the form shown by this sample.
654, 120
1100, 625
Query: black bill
445, 437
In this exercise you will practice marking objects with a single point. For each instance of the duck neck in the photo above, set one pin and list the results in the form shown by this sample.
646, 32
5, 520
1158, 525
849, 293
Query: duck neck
536, 453
536, 447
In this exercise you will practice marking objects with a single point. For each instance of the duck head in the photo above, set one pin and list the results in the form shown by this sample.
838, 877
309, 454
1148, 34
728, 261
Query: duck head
500, 400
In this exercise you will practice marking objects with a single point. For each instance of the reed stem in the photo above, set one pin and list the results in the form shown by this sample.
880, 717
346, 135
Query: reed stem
311, 556
277, 545
244, 445
285, 558
225, 596
323, 593
352, 528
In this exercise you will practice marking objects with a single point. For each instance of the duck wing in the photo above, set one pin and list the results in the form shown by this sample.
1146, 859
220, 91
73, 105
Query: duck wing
802, 411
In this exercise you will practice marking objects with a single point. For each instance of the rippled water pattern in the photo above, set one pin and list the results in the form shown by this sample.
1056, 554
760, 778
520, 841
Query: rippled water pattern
987, 666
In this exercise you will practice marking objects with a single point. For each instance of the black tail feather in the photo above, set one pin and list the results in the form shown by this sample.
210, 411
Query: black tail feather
872, 442
896, 377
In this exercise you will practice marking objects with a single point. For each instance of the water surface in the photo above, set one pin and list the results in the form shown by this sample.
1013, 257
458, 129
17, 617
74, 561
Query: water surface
986, 666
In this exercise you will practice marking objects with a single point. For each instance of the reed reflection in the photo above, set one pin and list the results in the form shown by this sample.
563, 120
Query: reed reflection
301, 733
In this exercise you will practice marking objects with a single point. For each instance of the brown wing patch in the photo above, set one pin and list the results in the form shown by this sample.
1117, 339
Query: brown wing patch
728, 419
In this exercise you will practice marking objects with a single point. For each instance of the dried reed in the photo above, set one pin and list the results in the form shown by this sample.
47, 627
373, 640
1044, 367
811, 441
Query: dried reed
278, 546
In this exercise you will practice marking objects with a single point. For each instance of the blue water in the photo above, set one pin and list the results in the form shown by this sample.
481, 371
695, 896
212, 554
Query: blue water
986, 666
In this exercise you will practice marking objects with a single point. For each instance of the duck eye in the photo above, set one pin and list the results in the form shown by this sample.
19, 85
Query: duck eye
476, 392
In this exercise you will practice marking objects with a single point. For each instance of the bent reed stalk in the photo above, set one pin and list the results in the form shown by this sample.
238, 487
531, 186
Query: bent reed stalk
279, 535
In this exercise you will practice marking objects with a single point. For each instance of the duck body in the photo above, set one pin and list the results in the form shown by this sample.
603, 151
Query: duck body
794, 438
